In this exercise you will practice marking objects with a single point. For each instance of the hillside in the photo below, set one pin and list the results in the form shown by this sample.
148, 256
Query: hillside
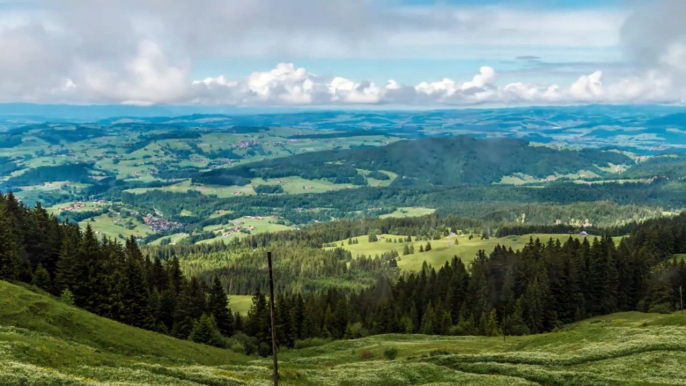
437, 161
44, 342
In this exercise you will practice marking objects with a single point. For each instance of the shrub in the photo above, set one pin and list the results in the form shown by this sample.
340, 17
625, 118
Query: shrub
312, 342
67, 297
241, 341
205, 331
366, 355
435, 353
660, 309
390, 353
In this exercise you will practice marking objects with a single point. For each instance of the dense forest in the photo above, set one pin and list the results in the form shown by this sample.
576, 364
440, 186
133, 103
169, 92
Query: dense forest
78, 172
433, 161
536, 289
496, 203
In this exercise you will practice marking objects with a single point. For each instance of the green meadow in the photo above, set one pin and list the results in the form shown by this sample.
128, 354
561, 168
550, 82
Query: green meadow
44, 342
446, 248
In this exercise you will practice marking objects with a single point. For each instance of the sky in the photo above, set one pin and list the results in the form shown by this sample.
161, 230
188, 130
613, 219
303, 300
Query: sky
417, 53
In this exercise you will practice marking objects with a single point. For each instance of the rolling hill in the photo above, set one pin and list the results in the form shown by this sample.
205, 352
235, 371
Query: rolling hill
44, 342
436, 161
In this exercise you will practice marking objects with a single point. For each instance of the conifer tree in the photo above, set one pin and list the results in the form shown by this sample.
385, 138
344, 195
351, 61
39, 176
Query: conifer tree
428, 326
492, 326
190, 306
218, 307
205, 331
135, 297
41, 278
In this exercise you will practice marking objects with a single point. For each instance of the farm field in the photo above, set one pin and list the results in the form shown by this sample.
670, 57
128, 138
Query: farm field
45, 342
445, 249
106, 226
252, 225
409, 212
184, 186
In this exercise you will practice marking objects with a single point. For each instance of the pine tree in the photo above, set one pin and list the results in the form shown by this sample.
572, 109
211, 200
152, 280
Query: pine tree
428, 247
446, 323
190, 307
41, 278
218, 307
492, 328
136, 311
89, 291
205, 331
66, 277
67, 297
421, 249
534, 309
428, 325
10, 247
514, 324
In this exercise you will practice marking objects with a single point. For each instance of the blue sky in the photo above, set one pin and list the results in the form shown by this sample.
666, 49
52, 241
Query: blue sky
343, 52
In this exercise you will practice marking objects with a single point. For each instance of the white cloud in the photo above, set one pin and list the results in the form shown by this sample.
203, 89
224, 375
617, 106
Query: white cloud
145, 51
287, 84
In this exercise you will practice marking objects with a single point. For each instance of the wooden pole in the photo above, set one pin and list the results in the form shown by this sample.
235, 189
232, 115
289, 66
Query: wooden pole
681, 298
271, 308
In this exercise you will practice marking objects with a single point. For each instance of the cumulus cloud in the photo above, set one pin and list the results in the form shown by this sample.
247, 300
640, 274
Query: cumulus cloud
145, 51
287, 84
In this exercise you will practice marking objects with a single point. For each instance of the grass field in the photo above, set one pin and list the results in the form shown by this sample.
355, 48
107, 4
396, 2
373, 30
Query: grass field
240, 303
444, 249
266, 224
106, 226
45, 343
409, 212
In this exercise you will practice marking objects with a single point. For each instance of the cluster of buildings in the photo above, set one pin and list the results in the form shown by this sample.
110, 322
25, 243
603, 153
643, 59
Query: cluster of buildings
78, 205
159, 224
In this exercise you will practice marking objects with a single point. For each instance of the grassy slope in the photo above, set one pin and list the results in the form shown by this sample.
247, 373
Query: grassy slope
43, 342
441, 250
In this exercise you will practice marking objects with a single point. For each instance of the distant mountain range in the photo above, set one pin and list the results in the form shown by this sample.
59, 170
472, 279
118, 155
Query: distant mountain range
640, 129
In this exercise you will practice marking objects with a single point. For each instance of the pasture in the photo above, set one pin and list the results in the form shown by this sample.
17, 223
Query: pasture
446, 248
44, 342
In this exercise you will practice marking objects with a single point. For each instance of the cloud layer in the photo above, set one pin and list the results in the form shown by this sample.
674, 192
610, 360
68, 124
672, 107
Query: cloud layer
145, 52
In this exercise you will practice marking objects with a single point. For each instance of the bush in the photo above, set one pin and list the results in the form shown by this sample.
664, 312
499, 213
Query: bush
67, 297
242, 343
435, 353
312, 342
205, 331
390, 353
355, 331
366, 355
660, 309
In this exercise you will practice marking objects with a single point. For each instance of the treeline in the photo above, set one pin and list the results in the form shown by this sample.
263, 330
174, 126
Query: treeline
519, 230
268, 189
77, 172
111, 280
536, 289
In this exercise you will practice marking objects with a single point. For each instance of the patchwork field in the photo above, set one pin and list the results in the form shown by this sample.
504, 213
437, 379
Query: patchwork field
44, 342
409, 212
226, 232
106, 225
444, 249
